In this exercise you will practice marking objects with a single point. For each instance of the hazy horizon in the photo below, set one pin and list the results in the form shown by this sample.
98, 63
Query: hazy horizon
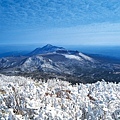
112, 51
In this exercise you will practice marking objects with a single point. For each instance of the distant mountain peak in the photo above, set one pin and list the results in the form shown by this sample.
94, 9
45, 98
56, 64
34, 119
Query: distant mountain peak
46, 49
48, 45
52, 46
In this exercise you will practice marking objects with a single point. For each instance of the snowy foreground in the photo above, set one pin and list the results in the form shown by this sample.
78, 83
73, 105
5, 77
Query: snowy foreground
24, 99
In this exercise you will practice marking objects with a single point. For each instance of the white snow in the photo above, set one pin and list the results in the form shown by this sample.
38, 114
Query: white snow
32, 63
25, 99
79, 58
73, 57
46, 65
86, 57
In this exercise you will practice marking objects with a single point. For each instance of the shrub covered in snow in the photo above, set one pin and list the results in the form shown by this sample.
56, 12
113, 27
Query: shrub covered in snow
24, 99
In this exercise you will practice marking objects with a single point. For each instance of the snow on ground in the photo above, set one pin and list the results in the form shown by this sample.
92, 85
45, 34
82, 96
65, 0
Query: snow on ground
86, 57
25, 99
73, 57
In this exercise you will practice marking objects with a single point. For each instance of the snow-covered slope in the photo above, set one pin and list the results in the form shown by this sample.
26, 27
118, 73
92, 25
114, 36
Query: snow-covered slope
86, 57
49, 58
24, 99
38, 63
54, 62
47, 49
73, 57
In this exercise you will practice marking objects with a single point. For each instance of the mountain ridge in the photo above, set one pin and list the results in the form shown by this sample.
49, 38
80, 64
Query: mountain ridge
45, 49
53, 62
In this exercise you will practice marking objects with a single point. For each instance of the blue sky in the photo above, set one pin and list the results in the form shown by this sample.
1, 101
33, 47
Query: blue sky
71, 22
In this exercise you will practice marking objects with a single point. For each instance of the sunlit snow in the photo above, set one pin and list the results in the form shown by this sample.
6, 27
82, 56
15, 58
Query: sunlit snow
24, 99
85, 57
73, 57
